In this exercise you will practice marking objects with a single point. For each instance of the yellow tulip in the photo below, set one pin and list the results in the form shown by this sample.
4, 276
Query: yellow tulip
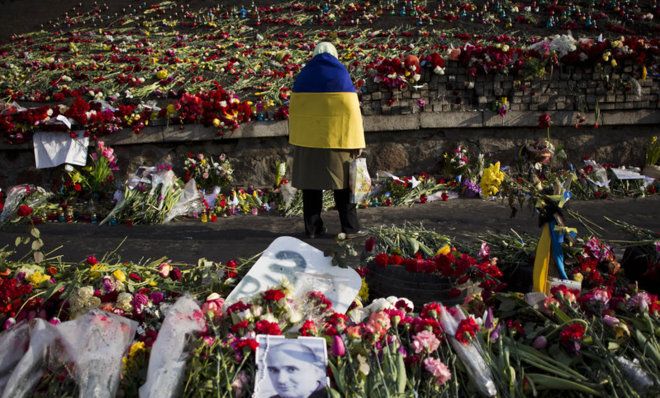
119, 275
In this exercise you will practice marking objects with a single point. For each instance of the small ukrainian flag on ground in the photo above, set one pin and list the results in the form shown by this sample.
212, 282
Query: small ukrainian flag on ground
324, 110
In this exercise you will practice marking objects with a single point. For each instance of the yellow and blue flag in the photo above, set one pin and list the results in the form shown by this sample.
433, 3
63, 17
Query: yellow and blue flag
324, 110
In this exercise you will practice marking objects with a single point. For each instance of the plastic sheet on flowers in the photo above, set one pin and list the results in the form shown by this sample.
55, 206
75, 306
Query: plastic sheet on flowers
167, 361
13, 344
27, 194
189, 201
95, 343
31, 367
288, 193
470, 354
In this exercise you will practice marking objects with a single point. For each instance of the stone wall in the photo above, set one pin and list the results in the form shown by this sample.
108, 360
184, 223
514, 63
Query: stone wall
566, 88
397, 151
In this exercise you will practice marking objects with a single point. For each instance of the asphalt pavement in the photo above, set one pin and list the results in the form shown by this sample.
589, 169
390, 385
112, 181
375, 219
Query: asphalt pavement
245, 236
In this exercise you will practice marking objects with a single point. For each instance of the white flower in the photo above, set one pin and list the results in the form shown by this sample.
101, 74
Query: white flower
223, 104
439, 71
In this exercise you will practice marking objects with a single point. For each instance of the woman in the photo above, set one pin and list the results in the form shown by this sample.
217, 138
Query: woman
325, 128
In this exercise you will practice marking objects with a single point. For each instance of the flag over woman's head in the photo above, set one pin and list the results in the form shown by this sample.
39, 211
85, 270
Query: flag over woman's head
324, 110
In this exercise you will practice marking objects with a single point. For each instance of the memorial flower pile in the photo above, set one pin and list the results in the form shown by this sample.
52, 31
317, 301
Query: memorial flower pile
223, 66
600, 340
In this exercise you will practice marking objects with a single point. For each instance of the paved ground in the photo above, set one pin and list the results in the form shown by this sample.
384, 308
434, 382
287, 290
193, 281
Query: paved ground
245, 236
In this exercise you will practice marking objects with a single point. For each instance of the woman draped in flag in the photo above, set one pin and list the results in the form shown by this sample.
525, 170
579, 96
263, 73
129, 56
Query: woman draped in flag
325, 128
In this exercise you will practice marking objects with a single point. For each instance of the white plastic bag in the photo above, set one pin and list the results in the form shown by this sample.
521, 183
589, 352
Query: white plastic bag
189, 201
167, 361
288, 193
96, 343
470, 354
13, 344
358, 180
29, 370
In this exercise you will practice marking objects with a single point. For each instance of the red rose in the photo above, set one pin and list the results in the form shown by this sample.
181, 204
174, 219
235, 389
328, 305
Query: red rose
175, 274
545, 121
77, 187
24, 210
91, 260
444, 196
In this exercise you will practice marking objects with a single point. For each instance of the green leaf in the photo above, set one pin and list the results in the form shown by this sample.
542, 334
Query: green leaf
17, 242
35, 232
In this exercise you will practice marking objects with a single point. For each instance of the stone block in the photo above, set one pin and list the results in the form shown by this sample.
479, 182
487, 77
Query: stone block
451, 119
391, 123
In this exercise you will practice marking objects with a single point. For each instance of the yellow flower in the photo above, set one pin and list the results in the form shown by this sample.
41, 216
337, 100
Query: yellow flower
37, 278
162, 74
216, 122
170, 109
578, 277
363, 294
135, 349
119, 275
644, 73
444, 250
491, 180
152, 283
614, 63
96, 269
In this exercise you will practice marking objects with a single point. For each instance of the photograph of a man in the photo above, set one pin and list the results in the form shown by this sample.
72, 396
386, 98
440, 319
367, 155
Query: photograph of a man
291, 368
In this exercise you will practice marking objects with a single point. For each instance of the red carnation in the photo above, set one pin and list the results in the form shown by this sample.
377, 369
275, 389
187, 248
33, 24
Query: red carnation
265, 327
77, 187
309, 328
252, 344
273, 295
382, 259
395, 259
466, 330
24, 210
91, 260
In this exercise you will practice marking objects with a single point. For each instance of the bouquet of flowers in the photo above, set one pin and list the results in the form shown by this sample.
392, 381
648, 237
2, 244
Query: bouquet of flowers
149, 197
208, 171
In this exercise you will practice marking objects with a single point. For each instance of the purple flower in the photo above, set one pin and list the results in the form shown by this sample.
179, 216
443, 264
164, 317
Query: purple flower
488, 322
471, 189
139, 302
108, 284
540, 342
156, 297
611, 321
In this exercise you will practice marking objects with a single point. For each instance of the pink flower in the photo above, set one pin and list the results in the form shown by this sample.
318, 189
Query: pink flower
164, 269
611, 321
425, 341
213, 305
540, 342
338, 347
438, 369
484, 252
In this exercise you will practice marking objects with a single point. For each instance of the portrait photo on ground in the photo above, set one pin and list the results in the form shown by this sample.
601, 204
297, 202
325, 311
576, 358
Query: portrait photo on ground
291, 368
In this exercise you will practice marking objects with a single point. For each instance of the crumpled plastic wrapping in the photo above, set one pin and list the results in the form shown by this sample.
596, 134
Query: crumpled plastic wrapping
636, 376
189, 201
33, 195
93, 344
288, 193
471, 354
13, 345
31, 367
167, 361
96, 343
